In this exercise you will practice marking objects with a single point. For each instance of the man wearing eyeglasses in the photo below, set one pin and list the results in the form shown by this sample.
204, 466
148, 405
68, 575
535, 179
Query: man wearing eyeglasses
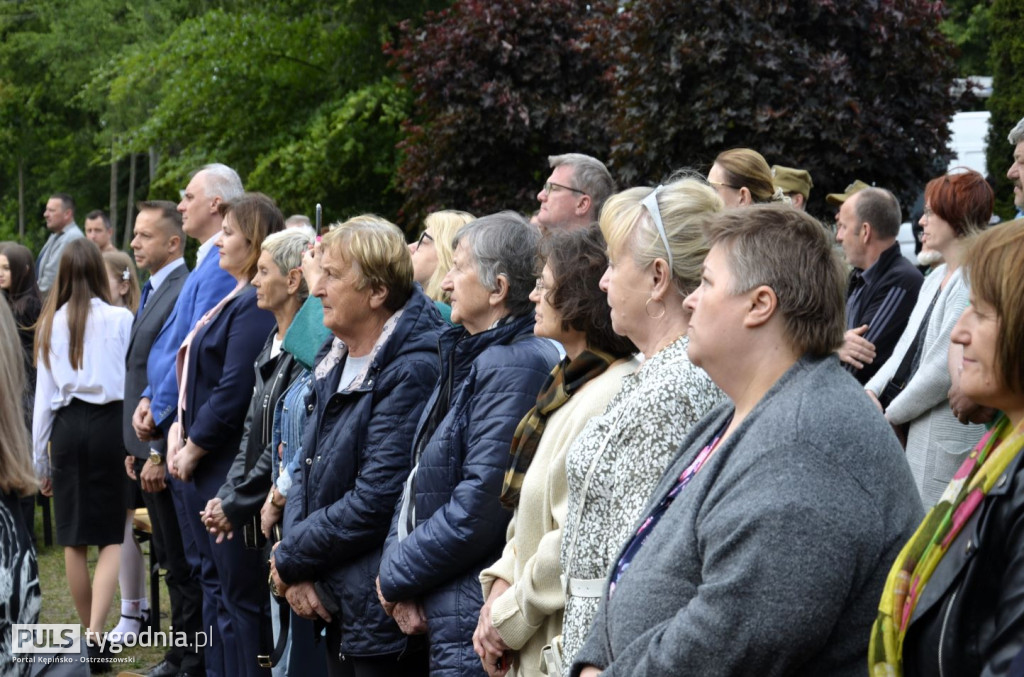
573, 194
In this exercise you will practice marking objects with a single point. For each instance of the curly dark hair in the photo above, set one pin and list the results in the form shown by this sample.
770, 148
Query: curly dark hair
578, 259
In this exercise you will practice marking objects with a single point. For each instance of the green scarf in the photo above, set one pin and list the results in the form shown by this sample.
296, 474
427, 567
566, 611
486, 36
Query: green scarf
921, 555
565, 379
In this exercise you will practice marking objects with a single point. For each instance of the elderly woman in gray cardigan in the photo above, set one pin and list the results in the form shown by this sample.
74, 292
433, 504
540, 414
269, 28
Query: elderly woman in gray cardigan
768, 540
956, 205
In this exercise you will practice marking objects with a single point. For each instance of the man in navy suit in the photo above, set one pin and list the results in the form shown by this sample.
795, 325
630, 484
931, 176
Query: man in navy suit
157, 408
883, 285
159, 246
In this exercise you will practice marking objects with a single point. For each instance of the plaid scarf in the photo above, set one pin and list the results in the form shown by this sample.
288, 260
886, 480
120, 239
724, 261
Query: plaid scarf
565, 379
921, 555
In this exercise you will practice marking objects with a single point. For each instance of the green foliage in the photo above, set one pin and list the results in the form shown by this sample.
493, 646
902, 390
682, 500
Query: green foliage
844, 90
498, 86
345, 157
969, 26
1007, 102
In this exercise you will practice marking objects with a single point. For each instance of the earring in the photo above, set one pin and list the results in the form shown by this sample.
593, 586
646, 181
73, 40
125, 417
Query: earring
648, 310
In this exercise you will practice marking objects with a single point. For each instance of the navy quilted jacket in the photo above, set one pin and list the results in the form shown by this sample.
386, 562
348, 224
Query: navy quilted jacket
492, 380
355, 462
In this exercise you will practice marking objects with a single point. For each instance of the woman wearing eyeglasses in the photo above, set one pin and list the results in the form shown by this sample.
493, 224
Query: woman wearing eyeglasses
656, 249
742, 177
432, 255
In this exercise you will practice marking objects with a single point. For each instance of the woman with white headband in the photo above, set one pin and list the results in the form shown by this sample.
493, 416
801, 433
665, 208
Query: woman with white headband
655, 252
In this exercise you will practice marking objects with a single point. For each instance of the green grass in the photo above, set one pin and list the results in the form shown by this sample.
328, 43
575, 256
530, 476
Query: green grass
57, 606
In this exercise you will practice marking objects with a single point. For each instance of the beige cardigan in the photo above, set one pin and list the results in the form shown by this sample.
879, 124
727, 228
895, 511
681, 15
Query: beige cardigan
529, 614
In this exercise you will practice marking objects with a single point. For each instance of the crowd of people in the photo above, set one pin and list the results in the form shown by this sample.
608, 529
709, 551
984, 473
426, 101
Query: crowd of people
665, 430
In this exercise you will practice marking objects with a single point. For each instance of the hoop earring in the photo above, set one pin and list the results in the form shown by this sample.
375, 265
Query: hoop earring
648, 310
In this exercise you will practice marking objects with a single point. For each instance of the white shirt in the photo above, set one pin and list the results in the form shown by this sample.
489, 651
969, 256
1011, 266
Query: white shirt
157, 278
99, 381
205, 247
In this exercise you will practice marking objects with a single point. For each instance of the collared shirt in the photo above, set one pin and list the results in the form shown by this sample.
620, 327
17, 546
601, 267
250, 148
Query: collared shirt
157, 278
205, 248
49, 257
99, 381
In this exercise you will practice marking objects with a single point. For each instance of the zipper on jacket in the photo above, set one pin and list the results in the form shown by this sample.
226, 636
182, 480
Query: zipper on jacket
942, 632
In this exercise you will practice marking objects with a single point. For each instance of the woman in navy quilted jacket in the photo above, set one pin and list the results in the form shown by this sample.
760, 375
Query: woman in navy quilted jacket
450, 523
370, 383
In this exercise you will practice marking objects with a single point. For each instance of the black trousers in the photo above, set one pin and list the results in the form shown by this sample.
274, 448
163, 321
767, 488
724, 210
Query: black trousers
182, 580
413, 662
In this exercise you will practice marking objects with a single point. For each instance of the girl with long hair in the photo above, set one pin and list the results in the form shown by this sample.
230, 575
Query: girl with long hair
80, 347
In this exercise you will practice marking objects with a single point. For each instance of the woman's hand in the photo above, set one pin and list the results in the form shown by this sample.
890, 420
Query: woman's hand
187, 459
305, 602
410, 617
270, 514
129, 466
389, 607
173, 445
215, 521
874, 398
46, 487
487, 643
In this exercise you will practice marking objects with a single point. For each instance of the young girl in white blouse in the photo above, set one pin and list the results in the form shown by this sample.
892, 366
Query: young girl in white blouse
124, 293
80, 348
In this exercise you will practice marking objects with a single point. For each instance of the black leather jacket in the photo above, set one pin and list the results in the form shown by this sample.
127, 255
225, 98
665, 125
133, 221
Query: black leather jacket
249, 479
970, 618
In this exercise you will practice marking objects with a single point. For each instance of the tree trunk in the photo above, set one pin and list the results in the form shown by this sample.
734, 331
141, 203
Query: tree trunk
113, 188
131, 202
152, 164
21, 198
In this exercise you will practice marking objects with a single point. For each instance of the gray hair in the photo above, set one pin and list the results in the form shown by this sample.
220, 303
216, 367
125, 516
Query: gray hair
589, 174
881, 209
222, 181
286, 248
504, 244
1017, 133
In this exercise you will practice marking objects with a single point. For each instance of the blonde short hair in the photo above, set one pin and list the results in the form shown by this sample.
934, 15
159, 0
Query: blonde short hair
444, 224
686, 205
377, 249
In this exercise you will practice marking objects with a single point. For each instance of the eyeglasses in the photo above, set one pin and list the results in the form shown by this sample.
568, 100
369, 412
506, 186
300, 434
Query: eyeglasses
549, 186
928, 212
423, 237
717, 184
539, 285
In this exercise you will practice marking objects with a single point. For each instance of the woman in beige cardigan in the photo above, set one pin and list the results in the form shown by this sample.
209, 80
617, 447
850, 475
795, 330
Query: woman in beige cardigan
523, 590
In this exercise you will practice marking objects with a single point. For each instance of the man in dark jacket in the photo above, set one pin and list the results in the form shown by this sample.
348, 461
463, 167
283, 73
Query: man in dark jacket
883, 285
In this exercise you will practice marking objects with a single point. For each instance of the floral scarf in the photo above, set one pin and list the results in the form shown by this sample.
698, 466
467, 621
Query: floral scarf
565, 379
921, 555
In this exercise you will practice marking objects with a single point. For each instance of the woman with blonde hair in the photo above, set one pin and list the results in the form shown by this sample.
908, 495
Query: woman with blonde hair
432, 254
124, 281
80, 348
19, 574
742, 177
655, 249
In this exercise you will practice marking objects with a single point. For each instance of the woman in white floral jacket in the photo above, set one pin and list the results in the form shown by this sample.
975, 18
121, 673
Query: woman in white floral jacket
656, 250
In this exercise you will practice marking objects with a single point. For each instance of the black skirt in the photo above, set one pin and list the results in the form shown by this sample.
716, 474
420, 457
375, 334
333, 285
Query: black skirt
87, 469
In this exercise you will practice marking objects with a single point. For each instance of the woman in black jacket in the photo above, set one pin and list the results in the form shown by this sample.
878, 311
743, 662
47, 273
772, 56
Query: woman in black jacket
954, 600
370, 384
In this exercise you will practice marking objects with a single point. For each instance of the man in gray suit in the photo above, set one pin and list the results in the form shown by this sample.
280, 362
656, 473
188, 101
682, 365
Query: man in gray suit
158, 245
60, 221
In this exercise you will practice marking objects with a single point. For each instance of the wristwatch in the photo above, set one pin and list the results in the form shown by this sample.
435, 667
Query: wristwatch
155, 457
